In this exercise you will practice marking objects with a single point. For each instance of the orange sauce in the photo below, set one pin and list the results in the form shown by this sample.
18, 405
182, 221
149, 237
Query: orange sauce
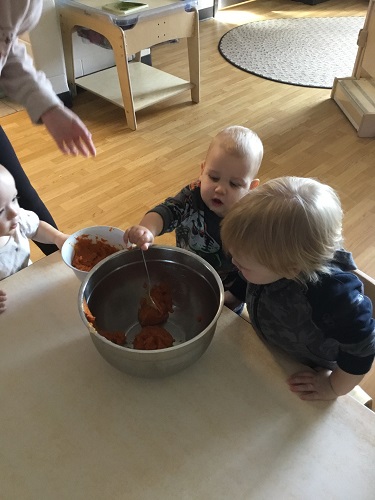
88, 253
148, 315
153, 337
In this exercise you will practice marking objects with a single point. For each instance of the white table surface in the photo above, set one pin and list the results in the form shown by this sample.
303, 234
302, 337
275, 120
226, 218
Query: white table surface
73, 427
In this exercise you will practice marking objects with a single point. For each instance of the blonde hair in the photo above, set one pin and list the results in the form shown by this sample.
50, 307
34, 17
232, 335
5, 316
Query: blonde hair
290, 225
240, 142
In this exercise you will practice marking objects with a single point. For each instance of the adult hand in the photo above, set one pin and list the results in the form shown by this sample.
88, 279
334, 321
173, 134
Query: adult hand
140, 236
69, 132
312, 385
3, 298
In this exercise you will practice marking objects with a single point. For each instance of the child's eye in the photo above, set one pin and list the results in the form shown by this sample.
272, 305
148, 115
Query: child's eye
1, 211
15, 199
213, 178
233, 184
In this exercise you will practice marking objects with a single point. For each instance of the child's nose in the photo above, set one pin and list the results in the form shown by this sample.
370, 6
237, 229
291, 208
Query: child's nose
12, 213
220, 188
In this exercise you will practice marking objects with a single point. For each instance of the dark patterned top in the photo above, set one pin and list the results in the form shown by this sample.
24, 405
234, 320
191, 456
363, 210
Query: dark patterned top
197, 229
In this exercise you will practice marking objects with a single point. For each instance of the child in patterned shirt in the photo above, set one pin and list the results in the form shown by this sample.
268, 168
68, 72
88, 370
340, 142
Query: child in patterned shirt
227, 174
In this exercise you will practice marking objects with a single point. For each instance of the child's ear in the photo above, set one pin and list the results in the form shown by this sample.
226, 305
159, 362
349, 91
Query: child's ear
254, 183
202, 168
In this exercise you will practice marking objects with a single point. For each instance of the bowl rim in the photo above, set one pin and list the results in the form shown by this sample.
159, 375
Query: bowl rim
79, 232
145, 352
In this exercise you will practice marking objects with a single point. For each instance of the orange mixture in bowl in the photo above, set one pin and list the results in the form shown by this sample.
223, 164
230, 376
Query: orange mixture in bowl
87, 253
153, 337
148, 315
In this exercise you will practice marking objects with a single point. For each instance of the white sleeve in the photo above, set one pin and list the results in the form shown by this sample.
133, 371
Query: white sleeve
18, 76
28, 223
25, 85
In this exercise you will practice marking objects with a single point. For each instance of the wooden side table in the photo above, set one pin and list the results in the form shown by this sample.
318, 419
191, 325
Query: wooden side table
133, 85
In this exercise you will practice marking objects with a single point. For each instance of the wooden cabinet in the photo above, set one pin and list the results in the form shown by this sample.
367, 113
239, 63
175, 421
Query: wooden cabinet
355, 95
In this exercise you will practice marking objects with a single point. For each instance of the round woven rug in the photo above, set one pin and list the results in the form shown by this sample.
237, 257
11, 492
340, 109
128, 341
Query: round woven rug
309, 52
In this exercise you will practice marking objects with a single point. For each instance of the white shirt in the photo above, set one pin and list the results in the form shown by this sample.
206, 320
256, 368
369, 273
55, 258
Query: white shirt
15, 254
18, 76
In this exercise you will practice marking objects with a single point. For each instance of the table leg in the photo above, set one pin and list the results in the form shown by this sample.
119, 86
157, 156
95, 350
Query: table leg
67, 41
116, 37
194, 60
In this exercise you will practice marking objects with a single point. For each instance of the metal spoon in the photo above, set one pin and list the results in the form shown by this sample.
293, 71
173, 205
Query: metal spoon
149, 299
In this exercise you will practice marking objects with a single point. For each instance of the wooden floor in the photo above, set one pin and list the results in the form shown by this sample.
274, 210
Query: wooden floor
303, 131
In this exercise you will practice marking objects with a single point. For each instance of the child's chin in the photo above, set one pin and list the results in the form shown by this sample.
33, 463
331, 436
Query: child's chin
219, 210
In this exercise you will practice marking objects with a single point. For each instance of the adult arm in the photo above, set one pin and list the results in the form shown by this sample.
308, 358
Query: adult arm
31, 88
24, 84
70, 133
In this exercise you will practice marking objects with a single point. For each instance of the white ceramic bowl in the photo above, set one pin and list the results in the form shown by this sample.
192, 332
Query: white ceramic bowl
112, 235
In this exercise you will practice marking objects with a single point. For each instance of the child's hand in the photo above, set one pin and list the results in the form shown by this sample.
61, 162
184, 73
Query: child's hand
140, 236
3, 299
312, 385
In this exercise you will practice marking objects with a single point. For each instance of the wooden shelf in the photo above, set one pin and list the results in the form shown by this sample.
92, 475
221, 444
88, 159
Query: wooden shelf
356, 98
134, 85
149, 85
355, 95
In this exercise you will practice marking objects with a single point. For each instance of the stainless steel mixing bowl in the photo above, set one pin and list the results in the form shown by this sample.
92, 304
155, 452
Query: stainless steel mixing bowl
113, 290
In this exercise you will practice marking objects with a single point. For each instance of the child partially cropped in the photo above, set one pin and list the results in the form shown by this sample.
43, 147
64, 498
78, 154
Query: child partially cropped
302, 296
227, 174
17, 226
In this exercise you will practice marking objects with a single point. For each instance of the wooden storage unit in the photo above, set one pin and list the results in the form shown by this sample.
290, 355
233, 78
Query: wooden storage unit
133, 85
356, 98
355, 95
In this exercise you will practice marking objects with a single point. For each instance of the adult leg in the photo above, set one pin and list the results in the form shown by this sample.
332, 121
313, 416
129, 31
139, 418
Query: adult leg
28, 197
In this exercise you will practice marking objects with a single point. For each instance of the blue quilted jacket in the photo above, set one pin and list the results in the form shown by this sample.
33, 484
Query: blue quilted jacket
325, 324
